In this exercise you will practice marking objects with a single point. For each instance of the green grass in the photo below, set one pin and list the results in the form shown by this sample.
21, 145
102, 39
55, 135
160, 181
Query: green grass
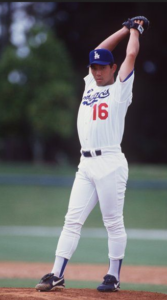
46, 206
146, 209
30, 283
42, 249
33, 205
144, 171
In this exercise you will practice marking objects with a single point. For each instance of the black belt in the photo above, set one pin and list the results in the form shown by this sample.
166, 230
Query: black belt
88, 153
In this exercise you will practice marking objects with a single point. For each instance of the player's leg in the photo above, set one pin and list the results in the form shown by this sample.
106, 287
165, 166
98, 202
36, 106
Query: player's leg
111, 192
82, 200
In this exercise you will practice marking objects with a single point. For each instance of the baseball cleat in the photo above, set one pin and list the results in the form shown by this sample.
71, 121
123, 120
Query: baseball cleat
49, 282
110, 284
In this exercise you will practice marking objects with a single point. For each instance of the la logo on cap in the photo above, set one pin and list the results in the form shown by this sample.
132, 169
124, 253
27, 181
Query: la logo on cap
96, 56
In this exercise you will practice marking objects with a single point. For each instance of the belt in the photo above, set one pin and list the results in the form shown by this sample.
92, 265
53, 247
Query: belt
89, 154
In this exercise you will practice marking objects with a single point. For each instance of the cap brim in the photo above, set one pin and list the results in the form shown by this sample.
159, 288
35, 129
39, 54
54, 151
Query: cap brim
103, 63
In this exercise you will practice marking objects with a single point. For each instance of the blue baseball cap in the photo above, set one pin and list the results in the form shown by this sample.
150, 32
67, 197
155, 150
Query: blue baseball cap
100, 57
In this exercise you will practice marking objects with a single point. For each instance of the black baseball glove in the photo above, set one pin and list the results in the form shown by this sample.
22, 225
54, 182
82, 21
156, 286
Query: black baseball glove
141, 28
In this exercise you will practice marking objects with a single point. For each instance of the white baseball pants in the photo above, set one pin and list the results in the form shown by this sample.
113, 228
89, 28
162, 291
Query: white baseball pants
99, 178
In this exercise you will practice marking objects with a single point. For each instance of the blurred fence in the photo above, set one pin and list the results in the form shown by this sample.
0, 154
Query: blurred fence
67, 181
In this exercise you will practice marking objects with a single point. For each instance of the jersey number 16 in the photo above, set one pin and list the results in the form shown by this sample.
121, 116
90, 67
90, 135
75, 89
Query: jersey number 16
100, 111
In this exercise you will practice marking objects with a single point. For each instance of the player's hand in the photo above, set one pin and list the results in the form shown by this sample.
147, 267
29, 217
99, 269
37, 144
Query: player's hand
140, 28
139, 23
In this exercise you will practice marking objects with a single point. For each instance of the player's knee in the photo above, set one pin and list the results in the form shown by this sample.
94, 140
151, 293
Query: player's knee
114, 224
72, 227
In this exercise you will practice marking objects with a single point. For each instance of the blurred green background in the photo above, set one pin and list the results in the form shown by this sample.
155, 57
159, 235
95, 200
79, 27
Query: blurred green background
44, 48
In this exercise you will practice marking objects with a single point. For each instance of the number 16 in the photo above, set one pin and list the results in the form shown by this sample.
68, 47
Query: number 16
102, 113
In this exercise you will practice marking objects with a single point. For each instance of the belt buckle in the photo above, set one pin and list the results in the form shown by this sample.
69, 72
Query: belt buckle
93, 153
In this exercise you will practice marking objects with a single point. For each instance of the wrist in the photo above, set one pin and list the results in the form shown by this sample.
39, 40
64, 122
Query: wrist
138, 27
134, 32
125, 30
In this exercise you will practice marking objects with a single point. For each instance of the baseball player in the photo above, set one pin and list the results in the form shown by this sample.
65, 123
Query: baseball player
103, 170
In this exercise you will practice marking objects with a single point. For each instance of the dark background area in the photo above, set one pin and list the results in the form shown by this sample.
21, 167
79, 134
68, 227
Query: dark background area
82, 26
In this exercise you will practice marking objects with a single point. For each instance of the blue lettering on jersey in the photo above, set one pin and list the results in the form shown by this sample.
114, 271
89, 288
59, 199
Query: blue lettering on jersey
90, 99
89, 91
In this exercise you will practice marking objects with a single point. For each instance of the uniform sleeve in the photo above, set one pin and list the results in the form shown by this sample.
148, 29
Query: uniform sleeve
89, 79
123, 89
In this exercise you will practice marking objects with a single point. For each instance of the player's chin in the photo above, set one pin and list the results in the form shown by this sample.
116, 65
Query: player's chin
99, 82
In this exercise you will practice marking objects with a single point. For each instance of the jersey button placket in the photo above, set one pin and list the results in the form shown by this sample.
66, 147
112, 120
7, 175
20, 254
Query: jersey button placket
85, 130
86, 123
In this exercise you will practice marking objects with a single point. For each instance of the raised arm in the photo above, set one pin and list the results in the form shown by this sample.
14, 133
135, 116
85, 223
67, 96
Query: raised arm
136, 25
131, 53
113, 40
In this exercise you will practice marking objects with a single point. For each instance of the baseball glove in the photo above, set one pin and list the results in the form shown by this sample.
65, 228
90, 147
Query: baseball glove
141, 28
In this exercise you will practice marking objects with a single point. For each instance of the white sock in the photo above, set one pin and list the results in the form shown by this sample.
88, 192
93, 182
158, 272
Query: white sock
114, 268
59, 266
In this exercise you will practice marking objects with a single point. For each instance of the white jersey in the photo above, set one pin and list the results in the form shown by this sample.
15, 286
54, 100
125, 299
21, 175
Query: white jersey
102, 112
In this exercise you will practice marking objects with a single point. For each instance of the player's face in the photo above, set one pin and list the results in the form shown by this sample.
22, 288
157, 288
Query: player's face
103, 75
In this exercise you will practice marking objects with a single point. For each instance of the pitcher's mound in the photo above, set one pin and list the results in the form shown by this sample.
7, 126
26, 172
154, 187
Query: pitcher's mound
76, 294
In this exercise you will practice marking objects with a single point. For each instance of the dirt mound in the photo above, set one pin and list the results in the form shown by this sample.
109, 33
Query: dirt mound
133, 274
78, 294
